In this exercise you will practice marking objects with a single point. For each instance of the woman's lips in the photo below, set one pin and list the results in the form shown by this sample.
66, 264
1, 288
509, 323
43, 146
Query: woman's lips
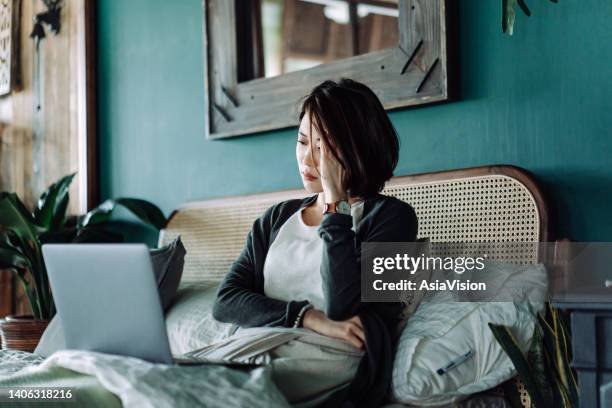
308, 177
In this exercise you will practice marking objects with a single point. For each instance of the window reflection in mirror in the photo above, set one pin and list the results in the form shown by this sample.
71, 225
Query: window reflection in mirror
279, 36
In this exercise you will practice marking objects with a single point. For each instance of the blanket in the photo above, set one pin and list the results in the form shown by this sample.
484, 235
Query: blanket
104, 380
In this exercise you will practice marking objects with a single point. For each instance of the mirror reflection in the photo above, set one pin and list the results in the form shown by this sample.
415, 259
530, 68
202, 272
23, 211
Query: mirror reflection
291, 35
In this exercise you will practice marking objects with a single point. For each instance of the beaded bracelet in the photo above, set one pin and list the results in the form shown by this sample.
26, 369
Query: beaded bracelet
300, 316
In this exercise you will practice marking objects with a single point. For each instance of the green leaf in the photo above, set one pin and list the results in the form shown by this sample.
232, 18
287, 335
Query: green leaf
507, 341
524, 7
12, 259
10, 240
32, 300
15, 216
147, 212
555, 325
537, 360
50, 213
572, 383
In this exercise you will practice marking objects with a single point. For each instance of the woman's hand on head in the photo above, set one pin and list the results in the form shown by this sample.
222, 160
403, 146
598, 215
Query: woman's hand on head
332, 175
350, 330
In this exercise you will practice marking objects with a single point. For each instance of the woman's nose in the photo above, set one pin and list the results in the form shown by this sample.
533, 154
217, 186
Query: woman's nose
308, 157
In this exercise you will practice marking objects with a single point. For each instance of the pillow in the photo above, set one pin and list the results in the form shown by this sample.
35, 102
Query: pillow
167, 264
441, 330
190, 323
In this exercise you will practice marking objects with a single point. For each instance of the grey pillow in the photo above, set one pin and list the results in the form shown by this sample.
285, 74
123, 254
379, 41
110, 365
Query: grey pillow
167, 263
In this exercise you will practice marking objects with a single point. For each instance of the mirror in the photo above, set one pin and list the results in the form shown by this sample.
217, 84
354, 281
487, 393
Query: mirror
262, 56
301, 34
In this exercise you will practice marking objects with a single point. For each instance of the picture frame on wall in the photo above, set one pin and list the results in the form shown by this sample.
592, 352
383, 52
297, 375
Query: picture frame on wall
10, 79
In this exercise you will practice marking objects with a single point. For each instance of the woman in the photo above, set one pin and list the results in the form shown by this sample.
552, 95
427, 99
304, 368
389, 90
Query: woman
300, 267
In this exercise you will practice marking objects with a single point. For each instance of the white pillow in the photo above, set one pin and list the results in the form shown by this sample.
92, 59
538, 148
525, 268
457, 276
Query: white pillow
441, 330
190, 323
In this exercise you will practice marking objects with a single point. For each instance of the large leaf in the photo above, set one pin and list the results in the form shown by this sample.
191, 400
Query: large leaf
564, 335
556, 345
505, 338
16, 256
537, 360
15, 216
50, 213
147, 212
30, 293
12, 259
10, 240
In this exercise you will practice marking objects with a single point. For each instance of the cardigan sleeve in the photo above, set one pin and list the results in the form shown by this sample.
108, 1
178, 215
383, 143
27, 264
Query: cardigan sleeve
240, 298
341, 261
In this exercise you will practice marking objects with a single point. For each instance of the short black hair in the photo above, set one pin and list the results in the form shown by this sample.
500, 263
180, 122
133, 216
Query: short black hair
360, 135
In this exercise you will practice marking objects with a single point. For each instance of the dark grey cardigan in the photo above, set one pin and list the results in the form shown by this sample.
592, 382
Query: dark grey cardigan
241, 299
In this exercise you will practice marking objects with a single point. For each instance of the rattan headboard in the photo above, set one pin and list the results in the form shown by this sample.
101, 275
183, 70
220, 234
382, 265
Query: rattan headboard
480, 204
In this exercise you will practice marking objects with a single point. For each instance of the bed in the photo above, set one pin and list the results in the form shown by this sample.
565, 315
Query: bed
498, 203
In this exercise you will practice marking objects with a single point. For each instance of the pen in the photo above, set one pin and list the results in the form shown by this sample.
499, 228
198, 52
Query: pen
462, 358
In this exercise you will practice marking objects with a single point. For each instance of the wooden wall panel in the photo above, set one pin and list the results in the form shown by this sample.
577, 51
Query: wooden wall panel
40, 145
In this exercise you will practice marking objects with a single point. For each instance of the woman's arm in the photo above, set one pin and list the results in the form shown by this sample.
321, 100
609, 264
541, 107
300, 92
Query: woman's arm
240, 298
341, 263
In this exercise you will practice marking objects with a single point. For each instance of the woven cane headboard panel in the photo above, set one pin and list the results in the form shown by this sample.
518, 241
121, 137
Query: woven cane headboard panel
482, 204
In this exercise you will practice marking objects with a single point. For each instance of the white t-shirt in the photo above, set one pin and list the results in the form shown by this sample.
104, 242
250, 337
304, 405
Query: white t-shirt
292, 269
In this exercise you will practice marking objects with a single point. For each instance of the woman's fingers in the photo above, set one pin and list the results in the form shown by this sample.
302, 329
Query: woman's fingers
355, 341
358, 331
357, 320
353, 334
324, 163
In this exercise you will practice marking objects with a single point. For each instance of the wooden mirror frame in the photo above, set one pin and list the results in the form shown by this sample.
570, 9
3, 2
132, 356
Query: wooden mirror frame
421, 69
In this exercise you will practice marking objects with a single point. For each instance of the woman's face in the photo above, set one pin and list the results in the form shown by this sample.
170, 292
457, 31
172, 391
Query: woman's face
308, 154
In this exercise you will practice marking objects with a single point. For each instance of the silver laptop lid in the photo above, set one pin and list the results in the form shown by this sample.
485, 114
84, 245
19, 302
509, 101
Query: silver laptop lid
107, 299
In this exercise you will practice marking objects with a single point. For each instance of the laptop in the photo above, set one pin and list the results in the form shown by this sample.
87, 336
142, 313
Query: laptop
107, 299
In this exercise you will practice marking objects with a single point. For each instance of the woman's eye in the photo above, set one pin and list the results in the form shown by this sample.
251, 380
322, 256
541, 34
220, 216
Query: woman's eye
300, 142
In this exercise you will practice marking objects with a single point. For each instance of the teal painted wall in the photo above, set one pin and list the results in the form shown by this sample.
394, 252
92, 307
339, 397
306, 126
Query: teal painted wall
539, 100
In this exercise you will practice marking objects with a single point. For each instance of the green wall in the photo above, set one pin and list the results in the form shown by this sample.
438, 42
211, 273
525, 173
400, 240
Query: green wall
539, 100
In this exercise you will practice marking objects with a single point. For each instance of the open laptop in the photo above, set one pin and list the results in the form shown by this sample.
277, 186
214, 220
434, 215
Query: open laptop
107, 300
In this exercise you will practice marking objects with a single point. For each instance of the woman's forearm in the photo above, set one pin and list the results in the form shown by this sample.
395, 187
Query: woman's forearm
240, 303
341, 259
340, 268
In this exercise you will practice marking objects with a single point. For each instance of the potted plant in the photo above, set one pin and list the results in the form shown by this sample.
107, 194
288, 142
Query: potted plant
22, 234
545, 371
